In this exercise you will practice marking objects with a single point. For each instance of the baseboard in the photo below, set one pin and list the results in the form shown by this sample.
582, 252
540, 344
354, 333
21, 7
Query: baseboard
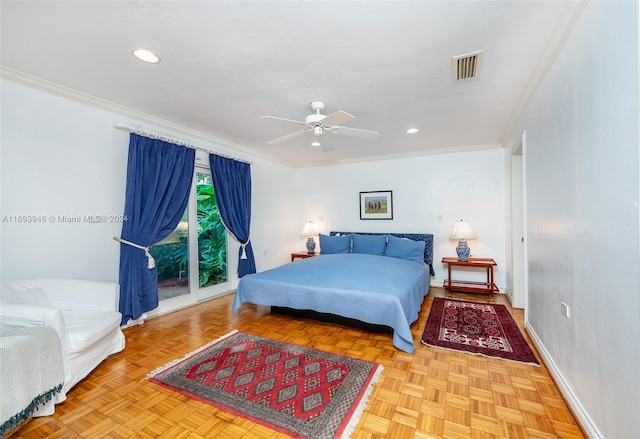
577, 409
509, 295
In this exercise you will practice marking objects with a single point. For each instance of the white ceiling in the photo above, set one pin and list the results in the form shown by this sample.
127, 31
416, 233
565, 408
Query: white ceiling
226, 63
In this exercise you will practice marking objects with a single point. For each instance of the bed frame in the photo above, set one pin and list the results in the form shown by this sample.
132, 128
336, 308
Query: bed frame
354, 323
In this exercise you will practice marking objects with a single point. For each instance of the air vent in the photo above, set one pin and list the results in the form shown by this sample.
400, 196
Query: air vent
465, 67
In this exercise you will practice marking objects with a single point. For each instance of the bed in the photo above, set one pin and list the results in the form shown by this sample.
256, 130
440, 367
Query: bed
376, 278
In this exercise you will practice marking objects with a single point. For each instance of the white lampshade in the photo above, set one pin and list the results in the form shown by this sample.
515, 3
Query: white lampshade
310, 228
462, 231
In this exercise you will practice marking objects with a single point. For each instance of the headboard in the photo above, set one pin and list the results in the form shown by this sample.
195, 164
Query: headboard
427, 238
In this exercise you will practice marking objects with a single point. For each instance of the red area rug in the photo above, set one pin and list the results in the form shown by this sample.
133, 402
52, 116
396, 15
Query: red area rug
302, 392
478, 328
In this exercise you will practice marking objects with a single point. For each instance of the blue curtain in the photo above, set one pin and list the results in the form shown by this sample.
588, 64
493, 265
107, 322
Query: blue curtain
159, 176
232, 185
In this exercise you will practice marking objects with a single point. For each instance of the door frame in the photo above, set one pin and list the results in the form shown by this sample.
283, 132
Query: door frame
519, 260
197, 294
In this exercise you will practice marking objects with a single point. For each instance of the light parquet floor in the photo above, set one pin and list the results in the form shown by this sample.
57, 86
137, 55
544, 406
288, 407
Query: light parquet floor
433, 393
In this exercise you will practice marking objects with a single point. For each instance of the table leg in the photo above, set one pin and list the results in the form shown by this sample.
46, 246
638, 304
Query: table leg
491, 281
449, 280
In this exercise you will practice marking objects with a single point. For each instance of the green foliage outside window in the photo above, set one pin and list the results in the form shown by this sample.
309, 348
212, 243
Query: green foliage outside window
172, 254
212, 238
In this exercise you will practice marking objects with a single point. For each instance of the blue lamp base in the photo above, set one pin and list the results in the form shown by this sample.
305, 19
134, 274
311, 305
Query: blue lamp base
463, 251
311, 245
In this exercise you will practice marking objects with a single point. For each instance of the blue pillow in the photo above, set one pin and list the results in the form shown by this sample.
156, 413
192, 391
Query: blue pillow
404, 248
334, 244
370, 244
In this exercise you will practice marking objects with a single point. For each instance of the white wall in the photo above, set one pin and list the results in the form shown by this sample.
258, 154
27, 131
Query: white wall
582, 182
59, 159
63, 158
273, 214
430, 193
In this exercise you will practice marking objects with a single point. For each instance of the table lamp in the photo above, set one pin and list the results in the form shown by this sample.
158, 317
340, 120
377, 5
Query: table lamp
461, 232
310, 228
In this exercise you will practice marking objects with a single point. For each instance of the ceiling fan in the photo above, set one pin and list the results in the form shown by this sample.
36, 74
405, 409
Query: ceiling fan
319, 124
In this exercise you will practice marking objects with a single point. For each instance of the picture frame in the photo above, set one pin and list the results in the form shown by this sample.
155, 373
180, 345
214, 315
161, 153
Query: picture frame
376, 205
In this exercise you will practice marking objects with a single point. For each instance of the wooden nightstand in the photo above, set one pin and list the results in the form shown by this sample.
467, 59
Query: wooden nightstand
487, 287
302, 255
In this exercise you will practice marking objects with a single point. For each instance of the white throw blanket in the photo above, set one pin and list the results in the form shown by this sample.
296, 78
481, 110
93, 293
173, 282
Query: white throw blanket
31, 374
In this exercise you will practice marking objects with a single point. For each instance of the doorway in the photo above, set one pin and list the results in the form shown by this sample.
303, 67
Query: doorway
517, 296
192, 262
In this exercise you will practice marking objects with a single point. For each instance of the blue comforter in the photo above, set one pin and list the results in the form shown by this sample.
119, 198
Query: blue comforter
374, 289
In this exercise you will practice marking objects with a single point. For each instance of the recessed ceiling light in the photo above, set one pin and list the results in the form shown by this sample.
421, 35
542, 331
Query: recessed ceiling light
412, 130
315, 144
146, 56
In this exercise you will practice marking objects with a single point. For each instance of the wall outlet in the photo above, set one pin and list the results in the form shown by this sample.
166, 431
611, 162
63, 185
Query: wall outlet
564, 309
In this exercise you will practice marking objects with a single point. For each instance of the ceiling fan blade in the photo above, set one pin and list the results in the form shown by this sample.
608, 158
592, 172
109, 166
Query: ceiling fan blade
286, 137
337, 118
299, 122
355, 132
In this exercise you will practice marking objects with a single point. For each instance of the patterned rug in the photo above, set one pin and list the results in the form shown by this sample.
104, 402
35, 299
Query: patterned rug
302, 392
478, 328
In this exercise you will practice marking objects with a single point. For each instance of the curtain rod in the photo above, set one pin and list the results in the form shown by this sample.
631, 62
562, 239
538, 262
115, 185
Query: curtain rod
156, 134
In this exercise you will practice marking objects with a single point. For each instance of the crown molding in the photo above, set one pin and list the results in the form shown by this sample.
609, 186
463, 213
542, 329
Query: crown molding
133, 115
566, 23
427, 152
136, 117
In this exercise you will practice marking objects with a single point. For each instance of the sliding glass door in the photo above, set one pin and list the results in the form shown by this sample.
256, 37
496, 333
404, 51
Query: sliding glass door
193, 261
211, 234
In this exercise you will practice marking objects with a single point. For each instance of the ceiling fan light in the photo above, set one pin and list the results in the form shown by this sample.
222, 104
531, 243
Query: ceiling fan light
412, 130
316, 143
317, 131
146, 56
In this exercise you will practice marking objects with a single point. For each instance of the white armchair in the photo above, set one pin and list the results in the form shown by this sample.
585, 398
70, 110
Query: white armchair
83, 313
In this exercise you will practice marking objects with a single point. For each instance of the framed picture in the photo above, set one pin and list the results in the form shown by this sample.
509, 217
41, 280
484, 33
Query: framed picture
376, 205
